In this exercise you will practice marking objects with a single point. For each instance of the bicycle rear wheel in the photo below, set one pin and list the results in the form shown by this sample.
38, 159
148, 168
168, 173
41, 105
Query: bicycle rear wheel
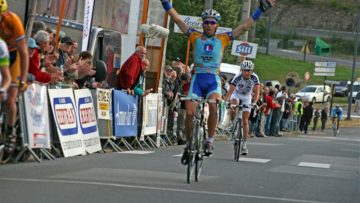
199, 152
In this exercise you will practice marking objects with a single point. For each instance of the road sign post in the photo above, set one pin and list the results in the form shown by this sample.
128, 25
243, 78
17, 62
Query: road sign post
324, 69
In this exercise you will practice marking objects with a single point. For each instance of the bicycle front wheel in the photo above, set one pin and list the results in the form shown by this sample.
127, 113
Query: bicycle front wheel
192, 153
237, 142
199, 153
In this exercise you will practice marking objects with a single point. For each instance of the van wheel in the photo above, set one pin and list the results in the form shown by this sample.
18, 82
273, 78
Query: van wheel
313, 100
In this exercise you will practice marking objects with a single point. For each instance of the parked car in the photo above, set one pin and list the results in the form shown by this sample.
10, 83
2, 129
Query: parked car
315, 93
342, 89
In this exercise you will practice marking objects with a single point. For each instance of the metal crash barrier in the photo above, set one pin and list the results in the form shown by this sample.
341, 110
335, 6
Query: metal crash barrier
62, 122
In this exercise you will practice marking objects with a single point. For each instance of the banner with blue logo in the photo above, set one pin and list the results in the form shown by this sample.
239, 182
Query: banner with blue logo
65, 116
87, 120
125, 114
244, 49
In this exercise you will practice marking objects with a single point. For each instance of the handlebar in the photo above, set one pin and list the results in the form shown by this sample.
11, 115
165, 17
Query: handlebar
201, 100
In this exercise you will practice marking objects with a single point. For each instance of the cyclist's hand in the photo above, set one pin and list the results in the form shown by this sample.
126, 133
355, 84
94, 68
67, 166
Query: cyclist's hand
266, 4
166, 5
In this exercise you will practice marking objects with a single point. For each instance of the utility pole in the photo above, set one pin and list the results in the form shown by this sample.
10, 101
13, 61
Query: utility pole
356, 44
208, 4
244, 16
268, 34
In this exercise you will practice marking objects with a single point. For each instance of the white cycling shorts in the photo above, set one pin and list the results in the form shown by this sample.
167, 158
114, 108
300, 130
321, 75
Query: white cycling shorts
243, 99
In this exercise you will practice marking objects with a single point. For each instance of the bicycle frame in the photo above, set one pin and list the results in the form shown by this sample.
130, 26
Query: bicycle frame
196, 148
335, 123
238, 131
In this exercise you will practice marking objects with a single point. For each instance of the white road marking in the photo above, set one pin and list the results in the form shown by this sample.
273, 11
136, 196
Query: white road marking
177, 190
136, 152
178, 155
254, 160
314, 165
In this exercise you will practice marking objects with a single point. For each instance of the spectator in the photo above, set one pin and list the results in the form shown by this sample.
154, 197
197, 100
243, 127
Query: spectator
139, 88
64, 48
42, 40
357, 103
84, 71
316, 118
166, 86
298, 111
306, 117
323, 117
130, 71
224, 85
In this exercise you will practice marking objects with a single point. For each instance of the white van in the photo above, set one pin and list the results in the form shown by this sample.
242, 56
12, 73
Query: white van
230, 70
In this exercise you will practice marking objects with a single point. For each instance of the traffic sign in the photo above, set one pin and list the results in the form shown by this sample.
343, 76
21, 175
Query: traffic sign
307, 76
326, 70
323, 74
325, 64
332, 82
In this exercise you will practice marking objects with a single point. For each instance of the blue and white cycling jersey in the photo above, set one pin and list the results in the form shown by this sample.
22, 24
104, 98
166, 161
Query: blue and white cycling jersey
336, 112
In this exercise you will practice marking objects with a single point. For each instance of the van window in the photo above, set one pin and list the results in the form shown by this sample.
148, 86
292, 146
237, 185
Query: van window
108, 49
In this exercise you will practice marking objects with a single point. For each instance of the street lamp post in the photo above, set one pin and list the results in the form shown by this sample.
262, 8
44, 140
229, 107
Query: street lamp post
353, 67
268, 34
208, 4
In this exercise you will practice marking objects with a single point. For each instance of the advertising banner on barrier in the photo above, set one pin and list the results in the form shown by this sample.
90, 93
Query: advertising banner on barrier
125, 114
87, 120
37, 116
149, 115
63, 108
104, 104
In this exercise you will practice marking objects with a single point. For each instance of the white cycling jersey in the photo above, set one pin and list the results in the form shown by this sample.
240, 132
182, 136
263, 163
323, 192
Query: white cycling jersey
243, 88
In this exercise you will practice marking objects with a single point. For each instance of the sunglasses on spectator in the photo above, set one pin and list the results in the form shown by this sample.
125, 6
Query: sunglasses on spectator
210, 22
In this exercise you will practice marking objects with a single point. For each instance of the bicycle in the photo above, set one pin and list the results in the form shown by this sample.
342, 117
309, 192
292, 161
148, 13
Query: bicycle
334, 125
196, 149
237, 135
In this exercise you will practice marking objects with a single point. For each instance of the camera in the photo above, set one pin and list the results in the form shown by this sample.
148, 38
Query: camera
154, 31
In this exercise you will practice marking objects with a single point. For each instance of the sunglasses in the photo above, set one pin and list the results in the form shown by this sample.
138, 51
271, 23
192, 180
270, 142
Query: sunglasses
210, 22
246, 70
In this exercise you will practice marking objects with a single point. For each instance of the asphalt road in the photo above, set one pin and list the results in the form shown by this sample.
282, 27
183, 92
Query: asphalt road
309, 57
311, 168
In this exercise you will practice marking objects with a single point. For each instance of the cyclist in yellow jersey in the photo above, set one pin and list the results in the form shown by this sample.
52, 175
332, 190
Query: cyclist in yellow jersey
208, 48
13, 33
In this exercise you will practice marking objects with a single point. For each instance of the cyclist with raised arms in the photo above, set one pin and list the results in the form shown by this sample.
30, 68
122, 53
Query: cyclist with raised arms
336, 113
244, 90
208, 48
13, 33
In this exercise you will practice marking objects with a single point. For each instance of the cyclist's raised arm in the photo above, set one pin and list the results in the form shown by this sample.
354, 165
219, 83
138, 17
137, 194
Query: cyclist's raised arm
174, 16
245, 26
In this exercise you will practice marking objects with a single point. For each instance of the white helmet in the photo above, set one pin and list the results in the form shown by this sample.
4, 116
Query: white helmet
247, 65
211, 13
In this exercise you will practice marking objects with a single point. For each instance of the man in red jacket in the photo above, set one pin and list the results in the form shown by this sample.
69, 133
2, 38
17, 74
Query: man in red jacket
130, 71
